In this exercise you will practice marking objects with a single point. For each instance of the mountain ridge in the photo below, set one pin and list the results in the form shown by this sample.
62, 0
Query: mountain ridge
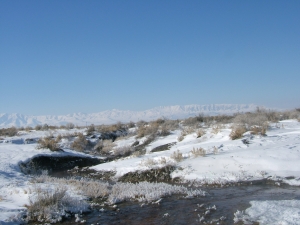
115, 115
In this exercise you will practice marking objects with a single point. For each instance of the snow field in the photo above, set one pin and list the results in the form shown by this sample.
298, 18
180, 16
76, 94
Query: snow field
275, 156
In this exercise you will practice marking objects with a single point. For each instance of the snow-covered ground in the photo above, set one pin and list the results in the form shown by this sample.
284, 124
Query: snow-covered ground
14, 185
272, 156
275, 156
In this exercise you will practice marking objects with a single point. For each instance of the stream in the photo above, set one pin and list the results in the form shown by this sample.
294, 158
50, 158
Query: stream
180, 210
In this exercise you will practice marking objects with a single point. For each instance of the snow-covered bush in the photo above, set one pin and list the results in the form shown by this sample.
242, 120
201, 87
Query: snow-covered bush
52, 205
147, 192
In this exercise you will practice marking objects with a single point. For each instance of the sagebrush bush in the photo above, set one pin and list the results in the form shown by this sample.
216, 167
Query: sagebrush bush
10, 132
145, 130
237, 132
70, 126
164, 130
52, 205
123, 150
216, 128
104, 146
80, 143
112, 128
198, 152
91, 129
200, 133
177, 156
187, 130
48, 142
180, 138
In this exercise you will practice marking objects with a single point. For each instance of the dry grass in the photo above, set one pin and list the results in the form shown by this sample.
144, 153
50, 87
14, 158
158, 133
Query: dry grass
187, 130
10, 132
104, 146
237, 132
113, 127
80, 143
215, 150
217, 128
196, 152
177, 156
49, 205
123, 150
180, 138
255, 130
48, 142
145, 130
200, 133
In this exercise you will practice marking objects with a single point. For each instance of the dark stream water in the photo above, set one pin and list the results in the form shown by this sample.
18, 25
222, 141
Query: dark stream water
180, 210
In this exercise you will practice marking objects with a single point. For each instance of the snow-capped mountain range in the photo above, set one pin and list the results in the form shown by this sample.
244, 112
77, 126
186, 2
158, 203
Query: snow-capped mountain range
113, 116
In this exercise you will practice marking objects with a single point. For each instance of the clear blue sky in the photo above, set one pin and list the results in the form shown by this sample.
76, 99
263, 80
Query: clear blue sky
59, 57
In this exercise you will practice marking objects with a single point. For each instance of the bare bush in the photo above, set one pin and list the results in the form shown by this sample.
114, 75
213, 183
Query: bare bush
91, 129
177, 156
48, 142
123, 150
80, 143
111, 128
200, 133
255, 130
198, 152
216, 128
164, 130
180, 138
237, 132
70, 126
10, 132
215, 150
187, 130
52, 205
145, 130
104, 146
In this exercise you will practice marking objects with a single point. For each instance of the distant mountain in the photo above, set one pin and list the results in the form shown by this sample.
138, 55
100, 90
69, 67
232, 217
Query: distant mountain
112, 116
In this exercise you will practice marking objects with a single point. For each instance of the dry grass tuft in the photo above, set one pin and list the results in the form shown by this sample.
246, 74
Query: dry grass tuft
180, 138
200, 133
80, 143
237, 132
196, 152
48, 142
177, 156
52, 206
104, 147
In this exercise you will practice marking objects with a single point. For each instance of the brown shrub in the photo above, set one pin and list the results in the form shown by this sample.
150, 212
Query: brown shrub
12, 131
198, 152
145, 130
104, 146
48, 142
177, 156
80, 143
237, 132
200, 133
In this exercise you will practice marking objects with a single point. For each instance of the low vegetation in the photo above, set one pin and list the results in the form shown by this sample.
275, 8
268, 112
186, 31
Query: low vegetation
196, 152
48, 142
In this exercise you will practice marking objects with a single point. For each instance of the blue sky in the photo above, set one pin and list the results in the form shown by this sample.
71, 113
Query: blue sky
59, 57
